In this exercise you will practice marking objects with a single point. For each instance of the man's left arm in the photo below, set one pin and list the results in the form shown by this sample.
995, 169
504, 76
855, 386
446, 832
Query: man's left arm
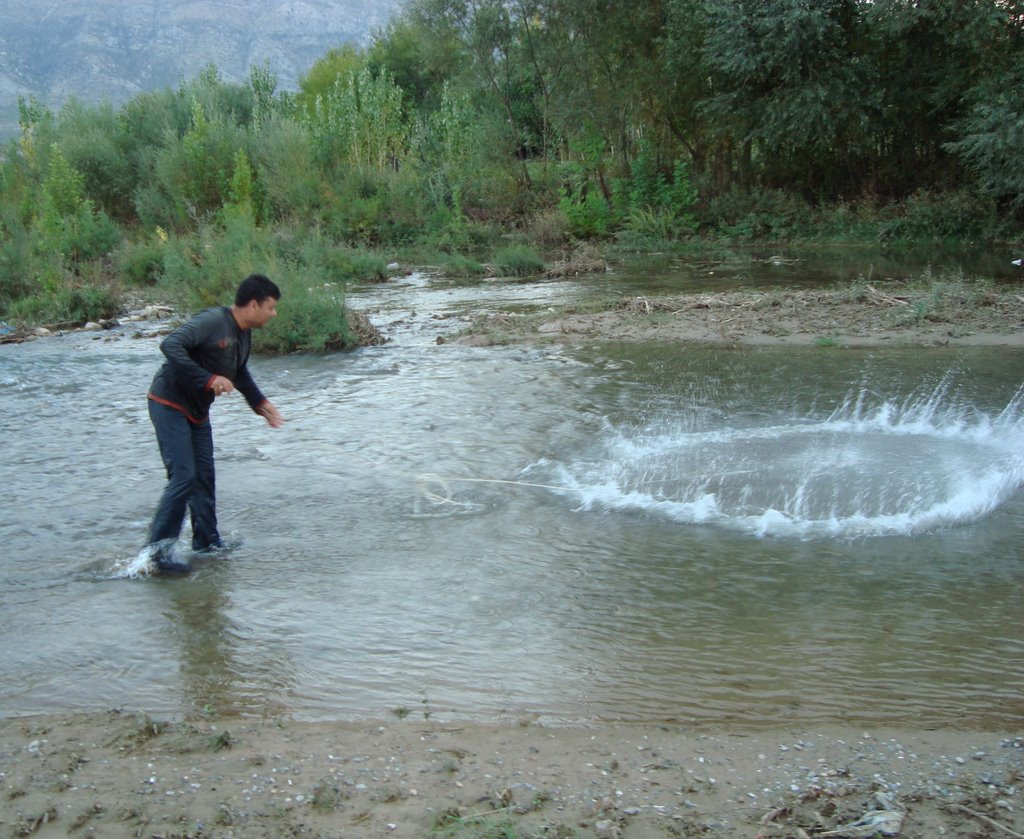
270, 414
257, 401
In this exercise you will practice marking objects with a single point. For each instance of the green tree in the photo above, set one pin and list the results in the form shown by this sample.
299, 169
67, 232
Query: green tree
338, 63
925, 56
990, 134
361, 121
788, 91
487, 34
68, 224
420, 58
290, 178
89, 138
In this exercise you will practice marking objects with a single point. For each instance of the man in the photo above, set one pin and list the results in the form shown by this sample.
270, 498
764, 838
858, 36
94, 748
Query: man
205, 358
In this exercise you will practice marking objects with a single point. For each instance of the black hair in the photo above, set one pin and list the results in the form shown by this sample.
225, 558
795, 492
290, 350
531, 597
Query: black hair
256, 287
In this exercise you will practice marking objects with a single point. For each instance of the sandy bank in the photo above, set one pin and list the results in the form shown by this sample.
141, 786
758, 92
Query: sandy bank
116, 774
957, 315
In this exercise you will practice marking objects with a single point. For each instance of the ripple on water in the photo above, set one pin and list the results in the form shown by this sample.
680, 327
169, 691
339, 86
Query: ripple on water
649, 533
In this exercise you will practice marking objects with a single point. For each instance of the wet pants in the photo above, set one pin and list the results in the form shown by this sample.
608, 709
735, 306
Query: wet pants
187, 451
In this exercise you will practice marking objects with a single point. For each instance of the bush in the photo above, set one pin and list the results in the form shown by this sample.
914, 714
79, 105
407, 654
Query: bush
70, 304
20, 265
757, 214
356, 209
458, 265
311, 273
935, 217
87, 235
589, 215
141, 263
287, 170
549, 228
311, 317
518, 261
341, 264
207, 267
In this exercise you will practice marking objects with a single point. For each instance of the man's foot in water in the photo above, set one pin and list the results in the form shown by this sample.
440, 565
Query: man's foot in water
169, 561
222, 544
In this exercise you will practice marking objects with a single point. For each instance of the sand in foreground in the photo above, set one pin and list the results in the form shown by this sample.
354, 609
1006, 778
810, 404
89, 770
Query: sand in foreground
117, 774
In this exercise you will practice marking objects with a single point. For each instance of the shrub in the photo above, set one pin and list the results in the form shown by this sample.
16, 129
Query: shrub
518, 261
457, 265
930, 216
69, 304
287, 170
341, 264
549, 228
756, 214
141, 263
207, 267
20, 264
589, 215
311, 317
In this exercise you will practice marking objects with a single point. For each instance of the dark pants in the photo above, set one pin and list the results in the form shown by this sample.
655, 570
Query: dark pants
187, 452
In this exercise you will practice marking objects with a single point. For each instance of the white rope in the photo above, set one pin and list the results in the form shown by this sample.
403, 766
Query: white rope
423, 480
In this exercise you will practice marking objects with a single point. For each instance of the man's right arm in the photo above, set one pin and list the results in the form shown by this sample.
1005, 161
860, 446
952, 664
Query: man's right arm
177, 348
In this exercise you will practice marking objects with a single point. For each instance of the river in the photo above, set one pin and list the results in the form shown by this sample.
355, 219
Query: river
634, 532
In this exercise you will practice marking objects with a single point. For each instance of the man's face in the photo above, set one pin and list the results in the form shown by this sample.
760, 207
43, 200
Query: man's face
263, 311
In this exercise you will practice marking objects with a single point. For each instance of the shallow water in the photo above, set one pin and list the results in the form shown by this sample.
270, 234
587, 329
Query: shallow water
622, 532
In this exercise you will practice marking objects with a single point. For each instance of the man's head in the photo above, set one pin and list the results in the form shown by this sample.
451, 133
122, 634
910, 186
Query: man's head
256, 287
256, 301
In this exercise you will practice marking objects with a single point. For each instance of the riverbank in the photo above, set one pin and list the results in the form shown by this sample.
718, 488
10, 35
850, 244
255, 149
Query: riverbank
953, 314
864, 315
118, 774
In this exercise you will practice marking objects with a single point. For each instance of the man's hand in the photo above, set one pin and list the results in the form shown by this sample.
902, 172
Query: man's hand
220, 385
270, 414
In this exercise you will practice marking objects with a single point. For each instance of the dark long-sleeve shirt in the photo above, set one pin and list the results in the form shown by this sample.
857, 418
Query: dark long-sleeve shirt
210, 344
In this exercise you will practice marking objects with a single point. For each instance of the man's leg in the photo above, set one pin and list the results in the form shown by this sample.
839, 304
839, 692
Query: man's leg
202, 503
175, 440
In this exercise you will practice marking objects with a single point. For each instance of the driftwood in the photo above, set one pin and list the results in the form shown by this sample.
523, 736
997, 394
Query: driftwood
366, 334
987, 820
582, 261
887, 299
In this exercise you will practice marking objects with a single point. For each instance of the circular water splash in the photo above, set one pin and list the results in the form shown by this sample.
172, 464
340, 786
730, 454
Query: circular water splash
873, 467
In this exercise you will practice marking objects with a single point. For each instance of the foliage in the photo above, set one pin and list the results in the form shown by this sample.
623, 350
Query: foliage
360, 121
312, 317
72, 303
140, 261
458, 265
337, 64
932, 216
518, 261
992, 135
67, 224
660, 209
758, 214
465, 125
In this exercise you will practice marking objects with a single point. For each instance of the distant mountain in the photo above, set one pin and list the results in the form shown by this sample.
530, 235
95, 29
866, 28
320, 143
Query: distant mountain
114, 49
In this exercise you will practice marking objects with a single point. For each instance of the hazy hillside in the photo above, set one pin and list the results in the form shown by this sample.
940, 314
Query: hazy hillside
113, 49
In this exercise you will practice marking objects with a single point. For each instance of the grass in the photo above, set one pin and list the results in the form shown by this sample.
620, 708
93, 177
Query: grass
518, 261
222, 741
450, 824
505, 819
327, 798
